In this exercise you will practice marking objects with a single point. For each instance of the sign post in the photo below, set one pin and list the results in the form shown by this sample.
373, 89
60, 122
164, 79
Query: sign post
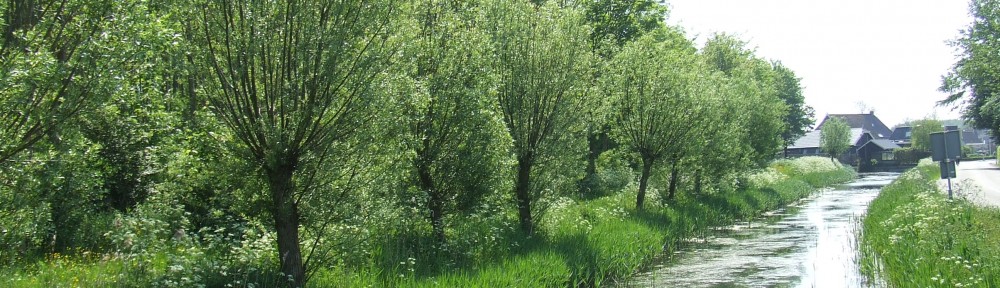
946, 147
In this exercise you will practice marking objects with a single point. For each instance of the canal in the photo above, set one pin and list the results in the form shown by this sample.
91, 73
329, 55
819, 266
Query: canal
809, 244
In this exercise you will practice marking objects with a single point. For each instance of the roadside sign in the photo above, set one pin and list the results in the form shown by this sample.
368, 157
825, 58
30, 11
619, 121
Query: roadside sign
945, 145
948, 169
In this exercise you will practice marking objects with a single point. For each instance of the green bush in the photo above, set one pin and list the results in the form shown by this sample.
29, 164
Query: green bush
910, 155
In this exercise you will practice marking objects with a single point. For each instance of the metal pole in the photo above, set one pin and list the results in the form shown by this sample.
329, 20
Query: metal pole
947, 160
947, 175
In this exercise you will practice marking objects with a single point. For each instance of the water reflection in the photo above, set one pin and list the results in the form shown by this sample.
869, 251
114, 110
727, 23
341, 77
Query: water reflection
811, 244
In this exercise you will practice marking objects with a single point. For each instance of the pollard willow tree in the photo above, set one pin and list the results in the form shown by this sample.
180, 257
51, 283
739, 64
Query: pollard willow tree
294, 79
52, 56
653, 85
455, 129
541, 59
614, 24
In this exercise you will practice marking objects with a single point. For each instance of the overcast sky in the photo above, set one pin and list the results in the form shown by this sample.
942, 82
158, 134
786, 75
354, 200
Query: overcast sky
888, 54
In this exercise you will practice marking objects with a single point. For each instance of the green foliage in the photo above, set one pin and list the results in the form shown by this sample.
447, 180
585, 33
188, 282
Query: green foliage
613, 173
752, 88
815, 171
799, 119
835, 137
620, 22
173, 144
921, 133
914, 236
972, 81
293, 95
967, 151
910, 155
581, 242
541, 60
49, 77
645, 95
458, 160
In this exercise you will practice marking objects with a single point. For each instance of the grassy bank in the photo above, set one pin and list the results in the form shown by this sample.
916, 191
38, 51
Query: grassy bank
580, 242
914, 236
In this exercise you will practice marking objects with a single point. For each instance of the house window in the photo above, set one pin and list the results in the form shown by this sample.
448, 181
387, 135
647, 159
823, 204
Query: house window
887, 155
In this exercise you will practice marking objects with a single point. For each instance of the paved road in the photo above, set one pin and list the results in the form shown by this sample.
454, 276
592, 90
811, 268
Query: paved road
978, 180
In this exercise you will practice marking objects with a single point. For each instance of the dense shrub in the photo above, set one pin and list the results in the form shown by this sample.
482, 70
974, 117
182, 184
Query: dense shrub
910, 155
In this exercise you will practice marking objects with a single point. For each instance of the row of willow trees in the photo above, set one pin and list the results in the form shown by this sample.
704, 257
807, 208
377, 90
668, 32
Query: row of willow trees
302, 113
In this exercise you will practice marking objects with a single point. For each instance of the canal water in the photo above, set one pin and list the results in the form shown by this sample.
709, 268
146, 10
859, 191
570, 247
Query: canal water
809, 244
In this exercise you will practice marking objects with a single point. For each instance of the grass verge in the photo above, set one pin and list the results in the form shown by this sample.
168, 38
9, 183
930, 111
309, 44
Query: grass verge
914, 236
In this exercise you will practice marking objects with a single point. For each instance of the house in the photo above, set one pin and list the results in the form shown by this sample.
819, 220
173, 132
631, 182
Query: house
970, 137
868, 135
979, 141
877, 155
902, 136
866, 122
809, 144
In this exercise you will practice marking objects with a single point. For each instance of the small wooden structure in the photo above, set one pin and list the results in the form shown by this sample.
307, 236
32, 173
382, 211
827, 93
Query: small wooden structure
877, 155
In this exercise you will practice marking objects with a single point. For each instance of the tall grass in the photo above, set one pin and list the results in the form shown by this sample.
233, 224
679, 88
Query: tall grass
914, 236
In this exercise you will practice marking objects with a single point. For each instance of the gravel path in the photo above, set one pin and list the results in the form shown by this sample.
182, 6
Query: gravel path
977, 180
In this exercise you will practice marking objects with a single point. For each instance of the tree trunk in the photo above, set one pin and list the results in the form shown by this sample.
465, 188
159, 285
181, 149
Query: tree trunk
591, 169
785, 151
435, 202
21, 15
523, 193
286, 222
647, 167
60, 209
593, 152
697, 181
673, 182
598, 143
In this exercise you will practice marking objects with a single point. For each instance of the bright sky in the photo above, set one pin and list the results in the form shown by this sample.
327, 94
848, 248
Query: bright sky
888, 54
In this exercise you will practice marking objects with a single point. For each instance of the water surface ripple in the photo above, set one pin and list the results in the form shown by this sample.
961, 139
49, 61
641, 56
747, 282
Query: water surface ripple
810, 244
